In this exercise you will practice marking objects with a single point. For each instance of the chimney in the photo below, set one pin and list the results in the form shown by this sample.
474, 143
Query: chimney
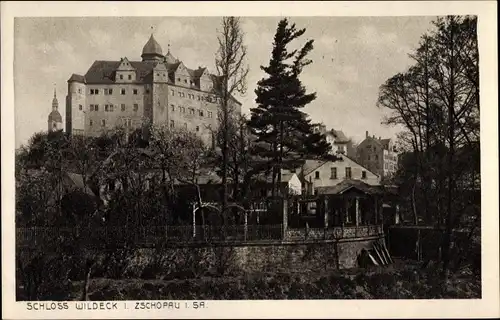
366, 134
380, 138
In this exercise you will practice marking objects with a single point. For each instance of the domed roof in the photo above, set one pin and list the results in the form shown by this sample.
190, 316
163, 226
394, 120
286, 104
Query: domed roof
152, 47
55, 116
170, 59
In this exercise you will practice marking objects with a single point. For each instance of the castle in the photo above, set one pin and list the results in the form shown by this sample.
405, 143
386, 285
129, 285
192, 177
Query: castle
158, 89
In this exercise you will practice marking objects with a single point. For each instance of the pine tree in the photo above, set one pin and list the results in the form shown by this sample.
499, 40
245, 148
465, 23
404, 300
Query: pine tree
284, 132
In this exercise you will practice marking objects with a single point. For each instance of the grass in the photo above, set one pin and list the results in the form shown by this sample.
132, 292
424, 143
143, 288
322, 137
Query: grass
400, 281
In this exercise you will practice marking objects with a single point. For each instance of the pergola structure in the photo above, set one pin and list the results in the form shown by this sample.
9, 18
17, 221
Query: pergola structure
350, 203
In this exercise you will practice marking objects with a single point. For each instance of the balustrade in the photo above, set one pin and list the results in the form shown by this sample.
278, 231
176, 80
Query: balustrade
151, 235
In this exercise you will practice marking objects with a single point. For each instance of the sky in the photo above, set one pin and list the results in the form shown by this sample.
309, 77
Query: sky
352, 57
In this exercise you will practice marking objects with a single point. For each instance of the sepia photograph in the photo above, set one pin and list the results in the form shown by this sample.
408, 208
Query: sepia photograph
165, 158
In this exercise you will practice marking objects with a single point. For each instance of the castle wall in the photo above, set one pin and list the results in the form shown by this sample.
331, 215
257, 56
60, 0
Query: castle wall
75, 108
128, 108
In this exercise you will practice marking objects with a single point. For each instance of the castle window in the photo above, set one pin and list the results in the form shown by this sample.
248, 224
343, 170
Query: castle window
111, 107
130, 77
128, 123
376, 157
123, 106
80, 107
191, 111
121, 77
179, 79
368, 157
106, 107
172, 123
91, 123
164, 75
135, 91
173, 107
110, 91
136, 107
79, 90
210, 114
96, 107
333, 174
363, 174
197, 128
198, 98
348, 173
201, 113
123, 91
185, 81
172, 92
103, 123
147, 91
316, 175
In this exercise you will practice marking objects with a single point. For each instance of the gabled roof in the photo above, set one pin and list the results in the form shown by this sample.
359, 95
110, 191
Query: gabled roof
77, 181
311, 165
340, 137
346, 185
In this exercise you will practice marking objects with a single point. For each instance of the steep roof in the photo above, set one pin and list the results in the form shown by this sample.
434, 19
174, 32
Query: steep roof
340, 137
311, 165
102, 72
76, 78
77, 181
152, 47
55, 116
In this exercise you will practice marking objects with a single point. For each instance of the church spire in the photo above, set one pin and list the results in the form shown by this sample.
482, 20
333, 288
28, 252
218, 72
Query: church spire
55, 103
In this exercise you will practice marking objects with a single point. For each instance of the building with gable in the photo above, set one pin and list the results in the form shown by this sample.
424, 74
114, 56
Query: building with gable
327, 173
337, 139
378, 155
157, 89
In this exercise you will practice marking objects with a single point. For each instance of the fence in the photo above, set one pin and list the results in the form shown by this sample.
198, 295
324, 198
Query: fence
145, 236
334, 233
153, 235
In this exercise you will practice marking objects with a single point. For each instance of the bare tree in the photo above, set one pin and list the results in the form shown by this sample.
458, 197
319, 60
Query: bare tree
232, 72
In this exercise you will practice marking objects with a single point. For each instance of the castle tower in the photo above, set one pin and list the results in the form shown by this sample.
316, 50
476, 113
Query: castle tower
54, 120
152, 51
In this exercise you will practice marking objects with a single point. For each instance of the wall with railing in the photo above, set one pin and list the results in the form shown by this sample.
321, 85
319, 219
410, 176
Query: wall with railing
146, 236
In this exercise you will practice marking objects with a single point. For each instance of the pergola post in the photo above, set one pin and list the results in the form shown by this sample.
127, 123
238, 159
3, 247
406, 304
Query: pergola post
326, 208
396, 218
346, 203
194, 220
357, 212
246, 224
285, 217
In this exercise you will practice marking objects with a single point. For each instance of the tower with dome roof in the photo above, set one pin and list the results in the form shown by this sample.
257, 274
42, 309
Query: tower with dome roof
54, 120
